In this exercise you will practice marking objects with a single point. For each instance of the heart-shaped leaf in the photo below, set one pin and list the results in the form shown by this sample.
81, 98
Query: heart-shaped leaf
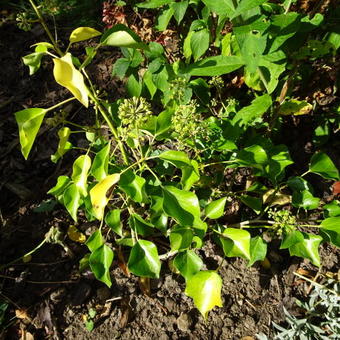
331, 227
134, 186
188, 263
64, 145
236, 242
100, 163
322, 165
95, 241
72, 200
215, 209
62, 183
98, 194
29, 122
68, 76
83, 33
112, 219
100, 261
144, 260
180, 238
205, 289
258, 250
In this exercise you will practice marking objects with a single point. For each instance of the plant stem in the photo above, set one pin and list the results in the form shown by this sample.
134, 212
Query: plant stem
215, 163
60, 104
43, 24
244, 223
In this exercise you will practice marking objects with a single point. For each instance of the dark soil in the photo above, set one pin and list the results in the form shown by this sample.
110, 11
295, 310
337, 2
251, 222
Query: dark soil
49, 299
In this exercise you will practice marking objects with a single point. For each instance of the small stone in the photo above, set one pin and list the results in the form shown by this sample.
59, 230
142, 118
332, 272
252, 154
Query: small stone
184, 322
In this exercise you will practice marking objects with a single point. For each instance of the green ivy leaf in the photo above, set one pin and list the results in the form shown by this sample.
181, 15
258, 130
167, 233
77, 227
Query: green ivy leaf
100, 261
180, 238
291, 238
332, 209
100, 164
188, 263
64, 145
182, 205
252, 202
190, 175
72, 200
164, 18
134, 186
83, 33
215, 209
154, 3
322, 165
331, 228
179, 9
205, 289
258, 250
95, 241
29, 122
59, 188
140, 226
199, 43
33, 61
307, 248
81, 167
143, 260
305, 199
236, 242
112, 219
221, 7
246, 5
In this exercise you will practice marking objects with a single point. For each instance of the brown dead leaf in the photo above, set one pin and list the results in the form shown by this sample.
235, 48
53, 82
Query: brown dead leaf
336, 188
22, 314
304, 272
127, 313
121, 262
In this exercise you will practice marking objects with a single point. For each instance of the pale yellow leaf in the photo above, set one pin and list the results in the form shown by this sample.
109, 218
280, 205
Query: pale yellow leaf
68, 76
75, 235
83, 33
276, 198
98, 194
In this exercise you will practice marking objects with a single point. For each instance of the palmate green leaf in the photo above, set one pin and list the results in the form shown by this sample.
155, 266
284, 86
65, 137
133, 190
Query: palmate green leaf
121, 36
236, 242
81, 167
215, 66
258, 250
291, 238
330, 227
188, 263
134, 186
322, 165
183, 206
144, 260
95, 241
205, 289
112, 219
64, 145
256, 109
29, 122
199, 43
180, 238
83, 33
215, 209
100, 261
59, 188
100, 163
72, 200
307, 248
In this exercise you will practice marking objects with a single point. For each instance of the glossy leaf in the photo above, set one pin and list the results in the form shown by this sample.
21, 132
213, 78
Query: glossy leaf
99, 192
182, 205
205, 289
258, 250
331, 227
62, 183
291, 238
305, 199
322, 165
33, 61
215, 209
75, 235
180, 238
199, 43
140, 226
295, 107
190, 175
100, 261
72, 200
100, 164
177, 158
29, 122
64, 145
95, 241
246, 5
68, 76
153, 3
112, 219
188, 263
144, 260
221, 7
81, 167
134, 186
307, 248
83, 33
236, 242
252, 202
332, 209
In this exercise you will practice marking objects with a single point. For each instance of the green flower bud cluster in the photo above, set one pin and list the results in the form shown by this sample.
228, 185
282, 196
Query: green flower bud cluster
57, 119
284, 221
177, 89
217, 82
134, 112
187, 123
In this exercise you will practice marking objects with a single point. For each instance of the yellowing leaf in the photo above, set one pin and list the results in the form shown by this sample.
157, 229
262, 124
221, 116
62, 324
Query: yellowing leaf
75, 235
98, 193
83, 33
205, 289
68, 76
295, 107
81, 167
276, 198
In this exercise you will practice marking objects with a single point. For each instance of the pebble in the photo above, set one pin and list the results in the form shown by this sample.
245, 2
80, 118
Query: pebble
184, 322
